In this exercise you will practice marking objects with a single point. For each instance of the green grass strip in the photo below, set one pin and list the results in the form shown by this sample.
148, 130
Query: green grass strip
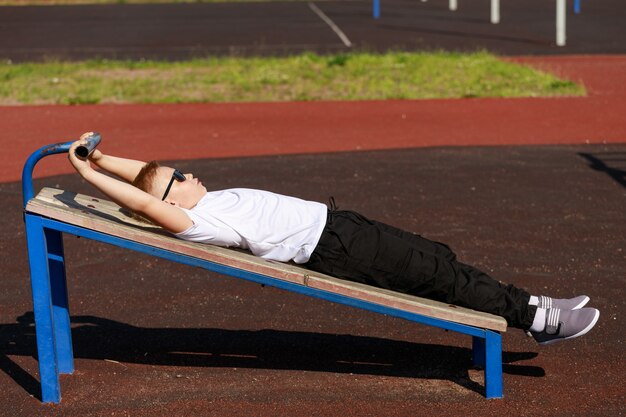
358, 76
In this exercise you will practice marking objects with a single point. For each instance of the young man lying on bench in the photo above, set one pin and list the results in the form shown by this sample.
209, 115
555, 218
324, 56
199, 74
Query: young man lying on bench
341, 243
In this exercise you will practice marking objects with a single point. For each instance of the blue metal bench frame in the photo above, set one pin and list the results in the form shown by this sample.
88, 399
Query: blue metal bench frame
50, 300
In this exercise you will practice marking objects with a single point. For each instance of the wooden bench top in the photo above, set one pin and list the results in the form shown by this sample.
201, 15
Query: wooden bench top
109, 218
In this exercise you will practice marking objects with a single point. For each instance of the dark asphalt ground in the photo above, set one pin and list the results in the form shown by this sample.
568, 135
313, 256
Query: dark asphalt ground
155, 338
185, 30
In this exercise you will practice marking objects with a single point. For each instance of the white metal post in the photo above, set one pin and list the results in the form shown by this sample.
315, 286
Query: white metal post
453, 5
495, 11
560, 22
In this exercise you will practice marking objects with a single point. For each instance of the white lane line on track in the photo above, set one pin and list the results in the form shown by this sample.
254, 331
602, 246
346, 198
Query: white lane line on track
332, 24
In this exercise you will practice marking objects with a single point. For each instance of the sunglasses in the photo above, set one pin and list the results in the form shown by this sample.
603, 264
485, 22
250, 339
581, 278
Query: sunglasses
176, 175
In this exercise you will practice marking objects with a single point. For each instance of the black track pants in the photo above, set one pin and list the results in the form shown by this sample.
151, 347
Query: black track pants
355, 248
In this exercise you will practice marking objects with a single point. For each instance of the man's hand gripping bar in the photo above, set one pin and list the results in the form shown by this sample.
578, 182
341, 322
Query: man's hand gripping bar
93, 139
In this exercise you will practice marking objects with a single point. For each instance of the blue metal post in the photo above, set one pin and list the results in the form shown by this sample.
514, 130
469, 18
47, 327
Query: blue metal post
376, 11
478, 351
60, 307
42, 307
577, 6
493, 364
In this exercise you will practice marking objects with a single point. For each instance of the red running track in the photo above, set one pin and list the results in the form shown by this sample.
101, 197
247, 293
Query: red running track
190, 131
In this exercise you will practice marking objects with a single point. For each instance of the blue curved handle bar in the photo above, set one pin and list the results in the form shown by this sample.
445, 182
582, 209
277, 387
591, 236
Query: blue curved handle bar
29, 166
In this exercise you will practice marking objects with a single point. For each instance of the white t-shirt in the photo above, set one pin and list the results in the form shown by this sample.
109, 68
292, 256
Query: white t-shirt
270, 225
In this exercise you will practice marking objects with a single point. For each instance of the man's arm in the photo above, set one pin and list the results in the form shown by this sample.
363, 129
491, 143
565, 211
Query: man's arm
127, 169
168, 216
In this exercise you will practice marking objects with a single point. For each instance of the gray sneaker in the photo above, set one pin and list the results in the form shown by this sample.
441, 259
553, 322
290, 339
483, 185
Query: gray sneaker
566, 324
563, 303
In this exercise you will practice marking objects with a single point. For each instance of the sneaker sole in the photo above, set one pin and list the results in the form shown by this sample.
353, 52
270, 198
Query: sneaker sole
580, 333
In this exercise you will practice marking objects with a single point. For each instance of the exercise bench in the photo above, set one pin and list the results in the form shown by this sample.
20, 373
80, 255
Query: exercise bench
54, 212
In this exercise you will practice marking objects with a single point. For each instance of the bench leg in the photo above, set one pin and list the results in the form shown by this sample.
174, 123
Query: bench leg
60, 308
42, 307
493, 364
487, 353
478, 351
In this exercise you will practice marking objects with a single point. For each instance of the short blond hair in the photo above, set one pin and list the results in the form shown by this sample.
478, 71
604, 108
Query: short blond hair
145, 182
145, 179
